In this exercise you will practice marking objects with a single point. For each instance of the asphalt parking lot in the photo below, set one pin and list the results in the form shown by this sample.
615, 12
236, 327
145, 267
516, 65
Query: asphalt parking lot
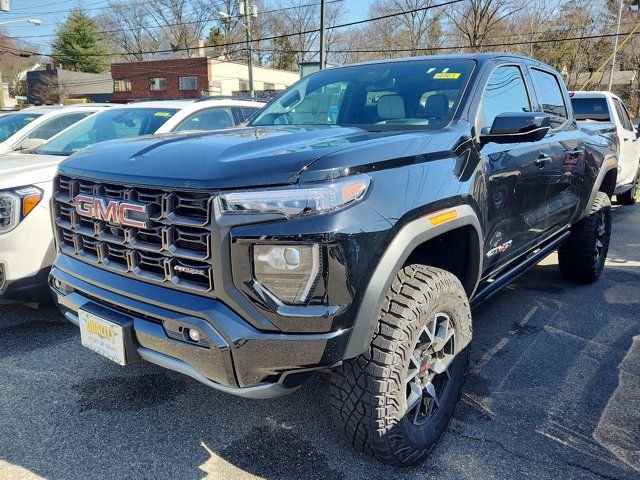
553, 392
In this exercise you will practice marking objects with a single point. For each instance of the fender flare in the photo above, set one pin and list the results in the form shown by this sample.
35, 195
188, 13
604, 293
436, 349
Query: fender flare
607, 167
396, 254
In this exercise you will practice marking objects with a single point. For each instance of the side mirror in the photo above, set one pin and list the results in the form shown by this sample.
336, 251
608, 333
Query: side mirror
518, 127
30, 144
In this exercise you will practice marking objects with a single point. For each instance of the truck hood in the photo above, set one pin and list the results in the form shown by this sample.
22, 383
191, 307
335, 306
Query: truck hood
19, 169
236, 158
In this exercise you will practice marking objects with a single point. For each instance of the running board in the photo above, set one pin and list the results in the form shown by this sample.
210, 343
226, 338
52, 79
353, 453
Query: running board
498, 283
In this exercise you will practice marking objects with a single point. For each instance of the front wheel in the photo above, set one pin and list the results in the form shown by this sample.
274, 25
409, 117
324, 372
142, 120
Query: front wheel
629, 197
395, 401
582, 256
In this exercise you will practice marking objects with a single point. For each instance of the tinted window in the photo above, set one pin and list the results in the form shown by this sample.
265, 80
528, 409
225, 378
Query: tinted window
245, 113
591, 109
624, 116
420, 93
210, 119
11, 123
505, 93
107, 125
550, 95
54, 126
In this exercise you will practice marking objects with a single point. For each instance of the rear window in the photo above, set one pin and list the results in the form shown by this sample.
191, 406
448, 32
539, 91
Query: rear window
591, 109
550, 94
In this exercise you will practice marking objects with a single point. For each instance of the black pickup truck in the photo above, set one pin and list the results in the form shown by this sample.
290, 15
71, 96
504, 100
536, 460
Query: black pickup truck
349, 228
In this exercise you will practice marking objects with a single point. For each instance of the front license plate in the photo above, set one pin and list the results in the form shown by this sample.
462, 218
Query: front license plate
102, 336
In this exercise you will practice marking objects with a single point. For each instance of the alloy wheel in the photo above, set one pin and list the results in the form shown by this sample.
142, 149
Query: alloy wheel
428, 376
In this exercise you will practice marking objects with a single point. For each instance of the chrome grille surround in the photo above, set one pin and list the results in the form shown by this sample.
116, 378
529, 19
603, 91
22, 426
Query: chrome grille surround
179, 233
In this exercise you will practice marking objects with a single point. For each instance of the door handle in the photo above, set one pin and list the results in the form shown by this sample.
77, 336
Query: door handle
576, 152
542, 160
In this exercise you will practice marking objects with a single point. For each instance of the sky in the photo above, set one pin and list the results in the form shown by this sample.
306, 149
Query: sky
54, 12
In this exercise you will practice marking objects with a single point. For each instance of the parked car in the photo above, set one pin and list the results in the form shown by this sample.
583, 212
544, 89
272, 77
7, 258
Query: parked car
26, 242
32, 126
348, 229
608, 108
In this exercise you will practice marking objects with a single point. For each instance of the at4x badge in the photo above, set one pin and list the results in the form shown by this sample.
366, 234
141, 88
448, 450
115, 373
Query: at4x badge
499, 249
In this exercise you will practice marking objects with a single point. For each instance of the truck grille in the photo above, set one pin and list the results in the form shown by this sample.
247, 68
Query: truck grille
174, 249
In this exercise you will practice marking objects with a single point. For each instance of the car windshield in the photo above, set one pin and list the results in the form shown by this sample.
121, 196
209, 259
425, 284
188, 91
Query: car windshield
407, 94
107, 125
591, 109
13, 122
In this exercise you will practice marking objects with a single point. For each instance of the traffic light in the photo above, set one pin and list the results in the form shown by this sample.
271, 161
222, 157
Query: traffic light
4, 6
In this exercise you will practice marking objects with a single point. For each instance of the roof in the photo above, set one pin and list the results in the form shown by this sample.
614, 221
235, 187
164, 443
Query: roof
592, 94
41, 109
479, 57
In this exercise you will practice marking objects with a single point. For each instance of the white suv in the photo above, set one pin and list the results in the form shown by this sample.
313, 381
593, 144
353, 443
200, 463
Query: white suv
34, 125
26, 239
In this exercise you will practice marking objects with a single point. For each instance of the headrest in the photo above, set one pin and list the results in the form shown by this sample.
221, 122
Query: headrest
390, 106
437, 105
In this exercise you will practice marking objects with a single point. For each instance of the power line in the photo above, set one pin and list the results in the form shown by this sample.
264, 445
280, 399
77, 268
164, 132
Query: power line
142, 2
273, 37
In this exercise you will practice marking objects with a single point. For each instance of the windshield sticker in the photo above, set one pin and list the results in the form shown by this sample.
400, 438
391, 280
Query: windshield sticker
29, 119
162, 114
446, 76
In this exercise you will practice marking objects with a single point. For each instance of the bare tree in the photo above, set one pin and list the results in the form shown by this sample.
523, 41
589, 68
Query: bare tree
14, 60
477, 20
130, 30
300, 21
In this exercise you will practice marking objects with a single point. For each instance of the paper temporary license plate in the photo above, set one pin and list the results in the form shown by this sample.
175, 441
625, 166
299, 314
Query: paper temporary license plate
102, 336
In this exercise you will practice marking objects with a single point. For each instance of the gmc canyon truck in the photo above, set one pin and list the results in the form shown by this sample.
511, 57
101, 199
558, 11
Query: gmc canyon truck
347, 229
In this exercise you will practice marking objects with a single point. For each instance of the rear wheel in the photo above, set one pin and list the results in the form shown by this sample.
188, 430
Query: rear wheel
582, 257
629, 197
395, 401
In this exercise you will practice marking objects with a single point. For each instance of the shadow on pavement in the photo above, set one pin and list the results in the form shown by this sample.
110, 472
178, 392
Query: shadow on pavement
552, 392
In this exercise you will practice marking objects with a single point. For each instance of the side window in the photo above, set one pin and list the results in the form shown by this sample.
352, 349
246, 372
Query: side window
54, 126
624, 116
245, 113
209, 119
550, 95
505, 93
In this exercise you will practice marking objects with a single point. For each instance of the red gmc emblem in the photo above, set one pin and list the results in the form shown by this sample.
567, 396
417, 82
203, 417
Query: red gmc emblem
113, 211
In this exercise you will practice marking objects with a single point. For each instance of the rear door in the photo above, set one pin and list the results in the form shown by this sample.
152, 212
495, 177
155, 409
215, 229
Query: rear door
515, 192
564, 172
628, 144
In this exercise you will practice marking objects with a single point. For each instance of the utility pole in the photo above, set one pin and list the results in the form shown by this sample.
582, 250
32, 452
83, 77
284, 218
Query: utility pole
323, 12
247, 15
615, 46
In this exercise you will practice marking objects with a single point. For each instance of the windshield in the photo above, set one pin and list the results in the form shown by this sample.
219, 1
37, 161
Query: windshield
591, 109
107, 125
12, 122
417, 93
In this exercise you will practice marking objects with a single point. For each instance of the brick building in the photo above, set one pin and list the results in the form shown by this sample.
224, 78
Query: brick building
191, 78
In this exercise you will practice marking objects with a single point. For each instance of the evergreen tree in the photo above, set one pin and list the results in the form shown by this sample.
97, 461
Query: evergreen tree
79, 44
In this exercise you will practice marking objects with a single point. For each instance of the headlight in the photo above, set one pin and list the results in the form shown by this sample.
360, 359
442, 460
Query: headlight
302, 200
288, 271
15, 205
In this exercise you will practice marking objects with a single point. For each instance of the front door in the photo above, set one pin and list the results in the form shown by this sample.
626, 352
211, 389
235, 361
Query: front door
515, 192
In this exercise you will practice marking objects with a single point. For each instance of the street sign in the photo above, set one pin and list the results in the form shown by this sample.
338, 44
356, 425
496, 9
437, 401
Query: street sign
4, 6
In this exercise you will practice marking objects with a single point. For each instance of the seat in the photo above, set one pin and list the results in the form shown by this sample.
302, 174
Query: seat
436, 106
391, 107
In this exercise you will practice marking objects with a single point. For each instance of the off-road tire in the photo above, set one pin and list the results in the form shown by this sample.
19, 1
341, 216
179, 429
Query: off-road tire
368, 393
580, 257
629, 197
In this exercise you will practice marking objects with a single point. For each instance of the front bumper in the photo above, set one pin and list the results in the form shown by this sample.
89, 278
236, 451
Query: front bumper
236, 358
26, 255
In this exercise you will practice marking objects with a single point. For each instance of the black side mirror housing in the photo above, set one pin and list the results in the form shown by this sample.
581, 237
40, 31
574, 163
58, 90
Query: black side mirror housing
518, 127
